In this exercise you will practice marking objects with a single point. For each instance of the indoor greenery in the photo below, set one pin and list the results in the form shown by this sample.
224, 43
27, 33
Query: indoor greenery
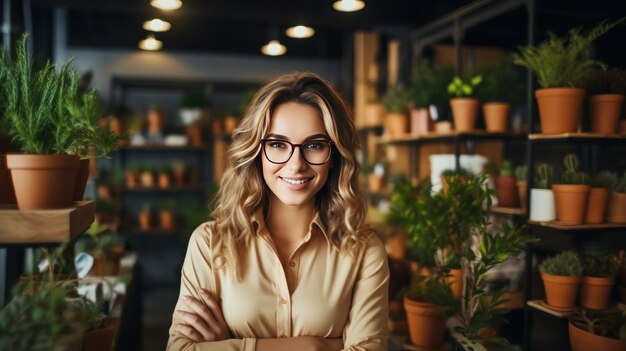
609, 324
428, 84
619, 186
521, 173
501, 83
544, 176
604, 179
566, 263
97, 241
571, 175
598, 260
611, 81
461, 172
458, 88
506, 168
395, 99
564, 61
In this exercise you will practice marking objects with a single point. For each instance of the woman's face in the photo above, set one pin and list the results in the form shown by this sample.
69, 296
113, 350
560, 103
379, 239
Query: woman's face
295, 182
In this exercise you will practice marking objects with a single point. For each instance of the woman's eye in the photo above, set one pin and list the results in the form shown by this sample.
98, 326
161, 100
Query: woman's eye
278, 144
314, 146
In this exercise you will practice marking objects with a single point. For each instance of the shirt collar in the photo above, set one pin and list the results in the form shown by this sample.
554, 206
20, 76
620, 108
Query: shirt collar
316, 225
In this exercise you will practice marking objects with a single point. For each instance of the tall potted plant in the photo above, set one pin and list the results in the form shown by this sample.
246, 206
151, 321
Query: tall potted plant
561, 65
571, 193
38, 106
464, 105
541, 196
598, 276
396, 105
428, 86
561, 277
501, 87
507, 186
599, 197
606, 89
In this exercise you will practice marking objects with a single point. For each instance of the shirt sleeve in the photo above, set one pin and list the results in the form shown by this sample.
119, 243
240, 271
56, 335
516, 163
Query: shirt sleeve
366, 329
197, 273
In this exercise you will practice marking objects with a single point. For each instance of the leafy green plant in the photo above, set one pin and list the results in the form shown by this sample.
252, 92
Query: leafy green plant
91, 311
506, 168
429, 83
461, 172
544, 176
521, 173
501, 83
620, 185
99, 240
458, 88
564, 61
598, 261
604, 179
566, 263
396, 99
571, 175
604, 323
611, 81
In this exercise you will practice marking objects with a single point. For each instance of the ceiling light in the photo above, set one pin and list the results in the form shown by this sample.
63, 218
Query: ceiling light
300, 32
150, 43
348, 5
274, 48
157, 25
166, 4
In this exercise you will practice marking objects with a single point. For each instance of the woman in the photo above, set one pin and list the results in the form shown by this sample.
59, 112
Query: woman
287, 263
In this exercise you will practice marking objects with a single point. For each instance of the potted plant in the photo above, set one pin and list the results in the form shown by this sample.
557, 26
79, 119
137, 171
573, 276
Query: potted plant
428, 86
521, 175
617, 202
599, 197
375, 176
571, 193
146, 176
606, 97
145, 218
100, 329
374, 113
396, 106
590, 330
35, 107
131, 176
105, 248
464, 105
598, 276
452, 173
561, 276
542, 197
164, 176
499, 90
178, 170
507, 186
191, 107
106, 212
156, 119
561, 65
166, 215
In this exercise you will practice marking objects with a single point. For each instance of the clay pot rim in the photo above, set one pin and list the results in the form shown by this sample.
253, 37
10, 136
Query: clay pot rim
572, 188
464, 99
549, 92
573, 325
603, 281
496, 104
606, 97
560, 278
37, 161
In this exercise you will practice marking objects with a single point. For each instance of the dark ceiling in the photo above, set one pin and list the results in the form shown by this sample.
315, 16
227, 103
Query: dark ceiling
242, 26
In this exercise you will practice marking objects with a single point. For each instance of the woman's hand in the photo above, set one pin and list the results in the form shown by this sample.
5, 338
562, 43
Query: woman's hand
205, 322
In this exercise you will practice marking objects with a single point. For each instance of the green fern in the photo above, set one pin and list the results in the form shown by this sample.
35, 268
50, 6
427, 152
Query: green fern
564, 61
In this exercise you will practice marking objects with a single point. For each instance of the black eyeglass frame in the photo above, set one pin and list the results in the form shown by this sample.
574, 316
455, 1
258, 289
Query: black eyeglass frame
293, 148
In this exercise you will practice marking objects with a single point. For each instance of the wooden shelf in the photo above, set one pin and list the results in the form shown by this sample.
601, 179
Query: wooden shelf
452, 136
560, 226
572, 136
509, 211
542, 306
44, 226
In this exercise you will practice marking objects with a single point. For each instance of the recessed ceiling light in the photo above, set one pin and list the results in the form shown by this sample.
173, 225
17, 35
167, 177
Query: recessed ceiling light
348, 5
300, 32
157, 25
166, 4
273, 48
150, 43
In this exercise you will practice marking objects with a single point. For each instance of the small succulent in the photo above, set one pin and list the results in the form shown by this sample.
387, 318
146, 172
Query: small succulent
458, 88
571, 174
521, 173
544, 175
506, 169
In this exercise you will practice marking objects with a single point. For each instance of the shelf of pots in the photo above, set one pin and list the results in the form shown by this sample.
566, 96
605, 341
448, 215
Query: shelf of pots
441, 229
396, 123
561, 65
56, 127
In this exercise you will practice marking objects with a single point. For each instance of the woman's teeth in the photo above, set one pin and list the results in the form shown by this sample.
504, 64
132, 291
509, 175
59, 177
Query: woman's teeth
296, 182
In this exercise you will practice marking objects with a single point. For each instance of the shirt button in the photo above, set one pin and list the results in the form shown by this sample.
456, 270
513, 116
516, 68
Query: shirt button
292, 264
283, 301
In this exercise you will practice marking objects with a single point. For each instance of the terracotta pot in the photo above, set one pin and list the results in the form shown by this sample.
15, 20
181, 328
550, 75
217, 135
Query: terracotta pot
43, 181
216, 126
374, 114
427, 323
560, 109
464, 112
375, 183
456, 282
617, 208
166, 220
496, 116
144, 221
542, 205
7, 195
147, 180
522, 192
561, 291
131, 179
82, 174
396, 246
420, 121
155, 121
179, 178
230, 124
582, 340
507, 191
604, 111
164, 180
396, 124
596, 205
595, 292
100, 339
571, 202
107, 264
194, 134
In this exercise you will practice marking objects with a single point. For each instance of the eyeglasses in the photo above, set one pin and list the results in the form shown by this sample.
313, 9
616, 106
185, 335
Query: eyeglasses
315, 152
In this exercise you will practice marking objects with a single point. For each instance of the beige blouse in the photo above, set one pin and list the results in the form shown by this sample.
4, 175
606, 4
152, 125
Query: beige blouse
320, 293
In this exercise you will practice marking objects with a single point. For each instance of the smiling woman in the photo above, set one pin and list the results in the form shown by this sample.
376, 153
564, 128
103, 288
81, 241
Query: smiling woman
287, 264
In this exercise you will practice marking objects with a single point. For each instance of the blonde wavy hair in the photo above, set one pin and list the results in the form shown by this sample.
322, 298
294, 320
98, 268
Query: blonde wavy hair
243, 192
